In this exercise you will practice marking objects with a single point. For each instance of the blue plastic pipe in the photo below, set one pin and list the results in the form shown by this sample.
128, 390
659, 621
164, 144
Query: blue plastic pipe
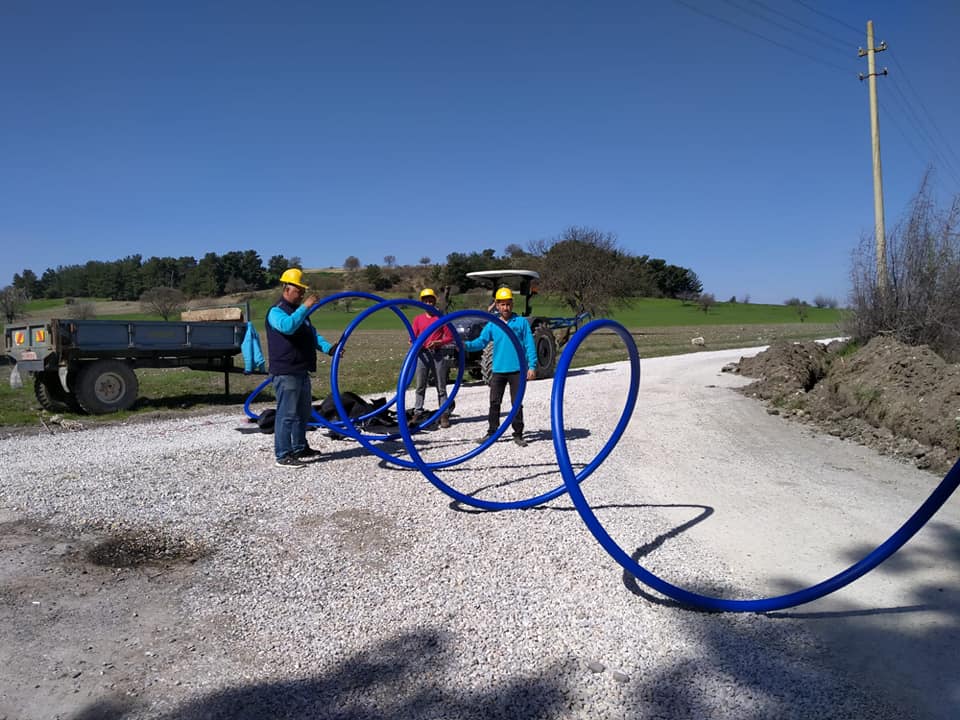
707, 602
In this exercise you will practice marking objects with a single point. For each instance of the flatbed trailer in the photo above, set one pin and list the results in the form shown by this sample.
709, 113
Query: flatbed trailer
88, 365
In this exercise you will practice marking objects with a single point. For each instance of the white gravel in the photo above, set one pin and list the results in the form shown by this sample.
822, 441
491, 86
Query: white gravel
354, 589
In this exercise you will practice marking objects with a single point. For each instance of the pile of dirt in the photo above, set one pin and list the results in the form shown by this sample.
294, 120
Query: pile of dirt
899, 399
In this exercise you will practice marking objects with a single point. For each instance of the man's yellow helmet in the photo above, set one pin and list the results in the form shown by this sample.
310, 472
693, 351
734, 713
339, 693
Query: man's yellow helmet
504, 293
427, 292
293, 276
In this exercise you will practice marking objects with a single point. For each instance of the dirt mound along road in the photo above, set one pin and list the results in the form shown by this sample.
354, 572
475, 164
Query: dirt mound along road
899, 399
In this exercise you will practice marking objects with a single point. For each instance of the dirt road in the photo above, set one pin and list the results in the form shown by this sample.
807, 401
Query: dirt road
720, 494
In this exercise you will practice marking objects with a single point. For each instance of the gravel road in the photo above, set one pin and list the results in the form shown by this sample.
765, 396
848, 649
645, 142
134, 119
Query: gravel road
169, 570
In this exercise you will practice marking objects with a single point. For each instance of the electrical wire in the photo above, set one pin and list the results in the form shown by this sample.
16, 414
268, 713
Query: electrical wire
828, 17
920, 130
748, 31
843, 50
943, 139
839, 42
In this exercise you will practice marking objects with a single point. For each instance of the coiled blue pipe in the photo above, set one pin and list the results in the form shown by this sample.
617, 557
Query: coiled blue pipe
572, 480
706, 602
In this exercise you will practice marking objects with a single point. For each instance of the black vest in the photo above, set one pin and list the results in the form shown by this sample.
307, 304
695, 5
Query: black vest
291, 354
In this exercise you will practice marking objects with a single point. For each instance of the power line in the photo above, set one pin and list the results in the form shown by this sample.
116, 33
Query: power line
840, 46
755, 34
888, 115
829, 17
943, 138
922, 134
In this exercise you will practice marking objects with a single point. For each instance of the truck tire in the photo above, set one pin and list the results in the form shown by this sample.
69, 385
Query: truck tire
486, 364
51, 395
546, 345
106, 386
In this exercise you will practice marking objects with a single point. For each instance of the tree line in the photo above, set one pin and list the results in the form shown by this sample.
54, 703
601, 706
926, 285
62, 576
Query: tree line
212, 275
586, 268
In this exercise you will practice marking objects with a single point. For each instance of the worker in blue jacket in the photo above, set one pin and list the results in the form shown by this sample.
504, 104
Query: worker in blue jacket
292, 345
506, 364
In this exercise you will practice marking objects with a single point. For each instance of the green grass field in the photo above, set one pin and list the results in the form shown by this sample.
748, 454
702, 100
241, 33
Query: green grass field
375, 352
640, 313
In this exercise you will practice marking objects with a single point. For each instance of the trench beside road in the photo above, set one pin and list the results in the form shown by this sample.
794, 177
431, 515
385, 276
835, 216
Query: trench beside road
355, 588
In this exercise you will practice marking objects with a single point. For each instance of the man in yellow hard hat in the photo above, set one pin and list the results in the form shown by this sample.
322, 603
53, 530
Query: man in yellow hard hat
506, 364
431, 357
292, 345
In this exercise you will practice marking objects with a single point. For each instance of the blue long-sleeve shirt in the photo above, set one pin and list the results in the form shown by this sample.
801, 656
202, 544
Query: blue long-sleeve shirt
505, 358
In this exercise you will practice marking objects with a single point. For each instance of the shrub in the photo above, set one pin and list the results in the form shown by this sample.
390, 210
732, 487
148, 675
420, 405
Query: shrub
921, 302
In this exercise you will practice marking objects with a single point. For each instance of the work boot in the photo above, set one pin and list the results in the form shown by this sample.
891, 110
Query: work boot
445, 420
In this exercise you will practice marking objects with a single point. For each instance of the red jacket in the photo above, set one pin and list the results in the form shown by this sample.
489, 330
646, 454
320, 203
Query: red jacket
422, 322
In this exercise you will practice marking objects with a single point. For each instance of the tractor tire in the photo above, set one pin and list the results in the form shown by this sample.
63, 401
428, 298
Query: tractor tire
486, 364
51, 395
546, 345
106, 386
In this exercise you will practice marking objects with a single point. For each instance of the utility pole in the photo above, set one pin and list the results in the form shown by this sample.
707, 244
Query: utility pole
871, 75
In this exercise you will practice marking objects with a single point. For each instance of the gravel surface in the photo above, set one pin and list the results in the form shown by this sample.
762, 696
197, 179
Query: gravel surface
169, 570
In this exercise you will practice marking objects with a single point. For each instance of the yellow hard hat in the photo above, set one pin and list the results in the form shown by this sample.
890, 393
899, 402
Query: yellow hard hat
427, 292
504, 294
293, 276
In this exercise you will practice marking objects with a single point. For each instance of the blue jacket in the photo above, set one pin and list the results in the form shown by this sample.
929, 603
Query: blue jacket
505, 358
252, 354
291, 340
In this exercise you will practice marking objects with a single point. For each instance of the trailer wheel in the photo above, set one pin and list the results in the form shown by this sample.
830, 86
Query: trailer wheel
51, 395
106, 386
546, 345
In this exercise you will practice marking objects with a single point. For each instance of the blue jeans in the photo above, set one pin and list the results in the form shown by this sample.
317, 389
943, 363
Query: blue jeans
294, 411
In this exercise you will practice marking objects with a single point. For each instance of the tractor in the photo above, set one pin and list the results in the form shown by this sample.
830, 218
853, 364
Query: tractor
479, 365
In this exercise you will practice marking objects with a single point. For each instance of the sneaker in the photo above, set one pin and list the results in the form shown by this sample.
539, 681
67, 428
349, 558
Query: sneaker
486, 437
444, 421
308, 453
289, 461
518, 439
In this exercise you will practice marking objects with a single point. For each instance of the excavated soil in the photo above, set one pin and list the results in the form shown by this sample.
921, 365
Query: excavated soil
899, 399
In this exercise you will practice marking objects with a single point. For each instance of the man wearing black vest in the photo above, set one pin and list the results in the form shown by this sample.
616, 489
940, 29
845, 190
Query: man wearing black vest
292, 344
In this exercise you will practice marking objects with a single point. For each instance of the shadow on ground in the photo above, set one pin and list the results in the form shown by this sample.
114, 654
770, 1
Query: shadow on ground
400, 678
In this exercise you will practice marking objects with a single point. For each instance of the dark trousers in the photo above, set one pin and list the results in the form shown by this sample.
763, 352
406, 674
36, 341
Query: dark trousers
427, 360
498, 383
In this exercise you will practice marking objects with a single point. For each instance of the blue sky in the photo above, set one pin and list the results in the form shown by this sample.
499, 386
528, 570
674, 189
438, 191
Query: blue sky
730, 137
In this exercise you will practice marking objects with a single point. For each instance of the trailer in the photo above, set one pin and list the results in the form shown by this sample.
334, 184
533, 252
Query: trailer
89, 365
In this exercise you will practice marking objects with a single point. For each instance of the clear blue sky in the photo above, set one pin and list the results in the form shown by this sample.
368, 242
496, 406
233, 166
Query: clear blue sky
731, 137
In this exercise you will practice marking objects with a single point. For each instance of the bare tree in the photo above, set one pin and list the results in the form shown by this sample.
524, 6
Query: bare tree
706, 301
588, 270
12, 302
390, 261
351, 264
80, 311
425, 261
921, 303
163, 301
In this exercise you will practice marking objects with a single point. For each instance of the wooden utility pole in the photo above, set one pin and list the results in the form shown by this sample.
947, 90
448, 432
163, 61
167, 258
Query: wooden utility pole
871, 76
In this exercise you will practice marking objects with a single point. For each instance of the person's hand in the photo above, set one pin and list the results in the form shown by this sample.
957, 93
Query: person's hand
333, 348
531, 374
310, 300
